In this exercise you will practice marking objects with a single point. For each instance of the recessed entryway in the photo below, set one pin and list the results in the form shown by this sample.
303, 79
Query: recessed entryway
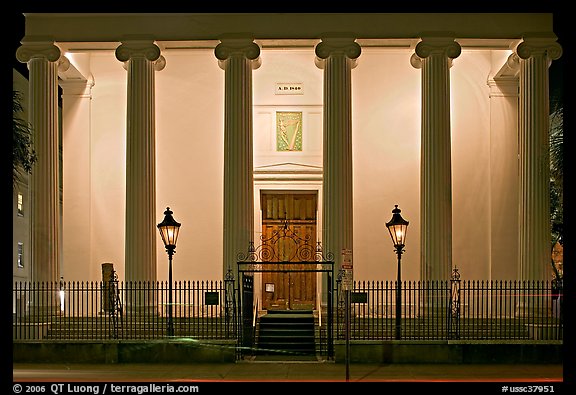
293, 212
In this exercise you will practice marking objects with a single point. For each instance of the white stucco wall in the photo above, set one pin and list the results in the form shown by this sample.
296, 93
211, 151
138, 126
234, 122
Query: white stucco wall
289, 67
386, 154
470, 128
189, 147
387, 105
189, 162
108, 164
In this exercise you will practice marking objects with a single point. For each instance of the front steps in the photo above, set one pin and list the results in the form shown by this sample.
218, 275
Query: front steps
286, 334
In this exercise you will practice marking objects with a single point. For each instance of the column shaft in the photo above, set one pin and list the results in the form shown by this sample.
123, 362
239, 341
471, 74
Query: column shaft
42, 57
434, 56
534, 245
45, 175
237, 59
337, 56
141, 232
140, 172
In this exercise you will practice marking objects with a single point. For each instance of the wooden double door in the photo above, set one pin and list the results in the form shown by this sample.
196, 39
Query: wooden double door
289, 231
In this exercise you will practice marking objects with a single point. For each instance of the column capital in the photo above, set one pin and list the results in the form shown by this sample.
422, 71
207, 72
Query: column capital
38, 47
137, 47
345, 45
435, 44
538, 44
159, 64
236, 45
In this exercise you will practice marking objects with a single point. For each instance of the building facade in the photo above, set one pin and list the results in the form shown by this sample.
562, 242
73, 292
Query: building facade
241, 122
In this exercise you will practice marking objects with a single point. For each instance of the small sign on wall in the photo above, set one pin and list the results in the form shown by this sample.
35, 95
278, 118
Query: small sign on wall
211, 298
348, 268
289, 88
359, 297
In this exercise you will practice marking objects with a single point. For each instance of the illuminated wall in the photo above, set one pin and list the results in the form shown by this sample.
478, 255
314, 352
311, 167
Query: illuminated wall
386, 154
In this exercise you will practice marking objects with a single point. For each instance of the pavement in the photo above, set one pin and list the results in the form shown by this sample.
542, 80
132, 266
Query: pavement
294, 371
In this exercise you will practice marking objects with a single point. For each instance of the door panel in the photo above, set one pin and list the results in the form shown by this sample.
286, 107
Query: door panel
290, 289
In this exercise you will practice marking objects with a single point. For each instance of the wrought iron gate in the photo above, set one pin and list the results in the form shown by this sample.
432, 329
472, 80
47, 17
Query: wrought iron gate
298, 256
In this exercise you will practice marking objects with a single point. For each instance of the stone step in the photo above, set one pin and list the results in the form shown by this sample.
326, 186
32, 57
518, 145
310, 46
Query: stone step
287, 331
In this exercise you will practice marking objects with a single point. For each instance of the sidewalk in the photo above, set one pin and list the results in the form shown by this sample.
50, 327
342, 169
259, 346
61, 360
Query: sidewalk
298, 371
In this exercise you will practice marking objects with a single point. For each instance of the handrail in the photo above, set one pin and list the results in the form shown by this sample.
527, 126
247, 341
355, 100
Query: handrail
254, 314
319, 307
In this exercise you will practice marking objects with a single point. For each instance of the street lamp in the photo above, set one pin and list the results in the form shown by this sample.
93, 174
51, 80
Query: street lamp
169, 229
397, 227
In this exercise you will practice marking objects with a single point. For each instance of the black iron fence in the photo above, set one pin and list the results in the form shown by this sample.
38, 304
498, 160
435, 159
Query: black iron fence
473, 310
123, 310
456, 309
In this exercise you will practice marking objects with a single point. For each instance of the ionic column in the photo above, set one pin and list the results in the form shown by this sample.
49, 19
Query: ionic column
142, 58
237, 56
433, 55
42, 57
337, 56
534, 245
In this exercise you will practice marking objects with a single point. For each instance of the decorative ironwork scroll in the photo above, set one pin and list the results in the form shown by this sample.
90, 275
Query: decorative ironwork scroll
115, 305
454, 315
295, 249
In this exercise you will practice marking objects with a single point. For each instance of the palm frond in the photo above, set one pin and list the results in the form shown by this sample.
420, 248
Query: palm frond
23, 154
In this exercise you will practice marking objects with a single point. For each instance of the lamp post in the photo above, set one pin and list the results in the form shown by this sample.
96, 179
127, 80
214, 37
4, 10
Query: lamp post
169, 229
397, 227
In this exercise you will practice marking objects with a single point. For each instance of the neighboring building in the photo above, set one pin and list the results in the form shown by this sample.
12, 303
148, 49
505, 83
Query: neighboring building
329, 119
21, 204
21, 199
